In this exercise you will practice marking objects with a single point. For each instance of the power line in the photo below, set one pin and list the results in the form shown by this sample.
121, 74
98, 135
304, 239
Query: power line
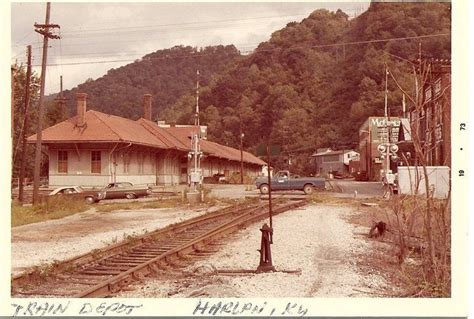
262, 50
181, 24
141, 52
165, 35
128, 28
164, 32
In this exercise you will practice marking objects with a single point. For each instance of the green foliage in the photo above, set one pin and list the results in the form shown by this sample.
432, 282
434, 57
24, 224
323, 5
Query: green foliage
19, 87
169, 75
303, 96
297, 89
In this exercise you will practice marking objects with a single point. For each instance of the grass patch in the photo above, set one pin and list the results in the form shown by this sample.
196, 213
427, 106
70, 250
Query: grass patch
403, 252
160, 203
51, 208
329, 198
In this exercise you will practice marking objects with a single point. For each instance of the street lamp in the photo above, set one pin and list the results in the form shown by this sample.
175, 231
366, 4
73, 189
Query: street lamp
241, 158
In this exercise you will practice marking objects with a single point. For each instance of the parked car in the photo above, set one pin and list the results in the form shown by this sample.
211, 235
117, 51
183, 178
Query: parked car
90, 196
284, 181
125, 190
220, 178
215, 179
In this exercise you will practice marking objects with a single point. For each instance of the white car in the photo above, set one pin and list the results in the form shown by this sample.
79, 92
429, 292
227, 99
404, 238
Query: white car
90, 196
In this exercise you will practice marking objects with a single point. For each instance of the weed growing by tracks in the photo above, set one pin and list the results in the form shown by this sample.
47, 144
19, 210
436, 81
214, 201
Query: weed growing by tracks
52, 208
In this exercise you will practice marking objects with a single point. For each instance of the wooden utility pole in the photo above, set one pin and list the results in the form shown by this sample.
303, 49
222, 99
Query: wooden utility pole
44, 30
241, 157
25, 126
270, 213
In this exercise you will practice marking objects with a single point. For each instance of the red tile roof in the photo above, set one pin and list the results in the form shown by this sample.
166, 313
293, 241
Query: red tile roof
210, 148
171, 141
101, 127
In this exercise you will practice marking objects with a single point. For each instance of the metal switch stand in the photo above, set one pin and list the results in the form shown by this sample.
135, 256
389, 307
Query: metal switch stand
265, 250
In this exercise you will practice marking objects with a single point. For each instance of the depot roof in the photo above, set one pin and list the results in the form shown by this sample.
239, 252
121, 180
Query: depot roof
106, 128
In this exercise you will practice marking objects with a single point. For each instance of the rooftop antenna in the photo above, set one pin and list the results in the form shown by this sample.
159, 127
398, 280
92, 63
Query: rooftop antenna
195, 153
387, 116
388, 148
196, 119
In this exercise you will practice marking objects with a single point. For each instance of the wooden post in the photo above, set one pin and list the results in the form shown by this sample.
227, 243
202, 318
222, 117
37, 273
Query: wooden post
269, 186
241, 157
44, 30
25, 126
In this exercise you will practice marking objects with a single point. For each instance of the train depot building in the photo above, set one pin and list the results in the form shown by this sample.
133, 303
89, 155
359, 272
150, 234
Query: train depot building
94, 148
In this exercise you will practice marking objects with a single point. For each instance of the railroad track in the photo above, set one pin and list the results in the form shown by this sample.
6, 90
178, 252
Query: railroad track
107, 271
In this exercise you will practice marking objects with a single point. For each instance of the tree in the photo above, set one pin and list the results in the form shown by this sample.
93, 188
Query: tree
19, 80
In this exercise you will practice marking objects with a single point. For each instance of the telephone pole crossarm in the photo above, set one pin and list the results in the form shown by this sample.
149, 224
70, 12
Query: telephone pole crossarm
42, 26
43, 29
46, 36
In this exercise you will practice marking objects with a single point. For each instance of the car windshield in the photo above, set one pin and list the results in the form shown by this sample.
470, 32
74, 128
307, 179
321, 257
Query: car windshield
80, 189
123, 185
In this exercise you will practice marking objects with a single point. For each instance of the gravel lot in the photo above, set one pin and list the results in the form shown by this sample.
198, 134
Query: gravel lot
318, 240
60, 239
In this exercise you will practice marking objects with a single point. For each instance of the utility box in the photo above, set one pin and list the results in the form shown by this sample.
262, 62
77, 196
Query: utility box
411, 180
195, 177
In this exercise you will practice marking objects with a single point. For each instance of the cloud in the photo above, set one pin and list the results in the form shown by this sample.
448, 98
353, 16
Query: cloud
98, 32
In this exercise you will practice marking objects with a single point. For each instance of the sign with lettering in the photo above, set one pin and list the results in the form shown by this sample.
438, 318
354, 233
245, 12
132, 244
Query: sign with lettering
383, 122
381, 128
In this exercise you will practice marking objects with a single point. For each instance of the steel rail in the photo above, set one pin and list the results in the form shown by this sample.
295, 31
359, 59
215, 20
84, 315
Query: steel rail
114, 249
114, 284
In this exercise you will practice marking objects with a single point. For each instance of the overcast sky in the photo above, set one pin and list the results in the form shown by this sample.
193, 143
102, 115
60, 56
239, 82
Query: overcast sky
94, 33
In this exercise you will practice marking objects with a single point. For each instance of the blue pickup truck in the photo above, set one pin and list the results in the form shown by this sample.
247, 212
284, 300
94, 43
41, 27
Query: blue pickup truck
284, 181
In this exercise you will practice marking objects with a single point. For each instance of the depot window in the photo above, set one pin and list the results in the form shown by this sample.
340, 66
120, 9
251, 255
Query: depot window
95, 162
62, 161
141, 161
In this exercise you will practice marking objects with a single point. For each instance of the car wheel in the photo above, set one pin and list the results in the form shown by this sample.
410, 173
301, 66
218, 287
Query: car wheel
308, 189
264, 189
130, 196
90, 200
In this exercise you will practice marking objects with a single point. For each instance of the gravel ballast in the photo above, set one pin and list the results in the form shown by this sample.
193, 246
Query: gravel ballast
317, 240
56, 240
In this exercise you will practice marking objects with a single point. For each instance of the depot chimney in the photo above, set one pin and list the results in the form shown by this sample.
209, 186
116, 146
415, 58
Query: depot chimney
147, 107
81, 108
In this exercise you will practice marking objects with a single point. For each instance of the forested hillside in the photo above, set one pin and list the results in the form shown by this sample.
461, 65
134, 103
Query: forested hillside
311, 85
166, 74
304, 92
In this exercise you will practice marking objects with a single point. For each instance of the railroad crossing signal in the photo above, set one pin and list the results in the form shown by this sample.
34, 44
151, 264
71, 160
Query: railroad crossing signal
388, 149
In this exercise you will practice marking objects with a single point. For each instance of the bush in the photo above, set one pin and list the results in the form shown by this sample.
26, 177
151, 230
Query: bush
421, 228
235, 179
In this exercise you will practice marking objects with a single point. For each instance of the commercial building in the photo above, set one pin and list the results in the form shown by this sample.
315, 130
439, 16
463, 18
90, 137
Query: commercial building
430, 121
336, 162
93, 149
373, 132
